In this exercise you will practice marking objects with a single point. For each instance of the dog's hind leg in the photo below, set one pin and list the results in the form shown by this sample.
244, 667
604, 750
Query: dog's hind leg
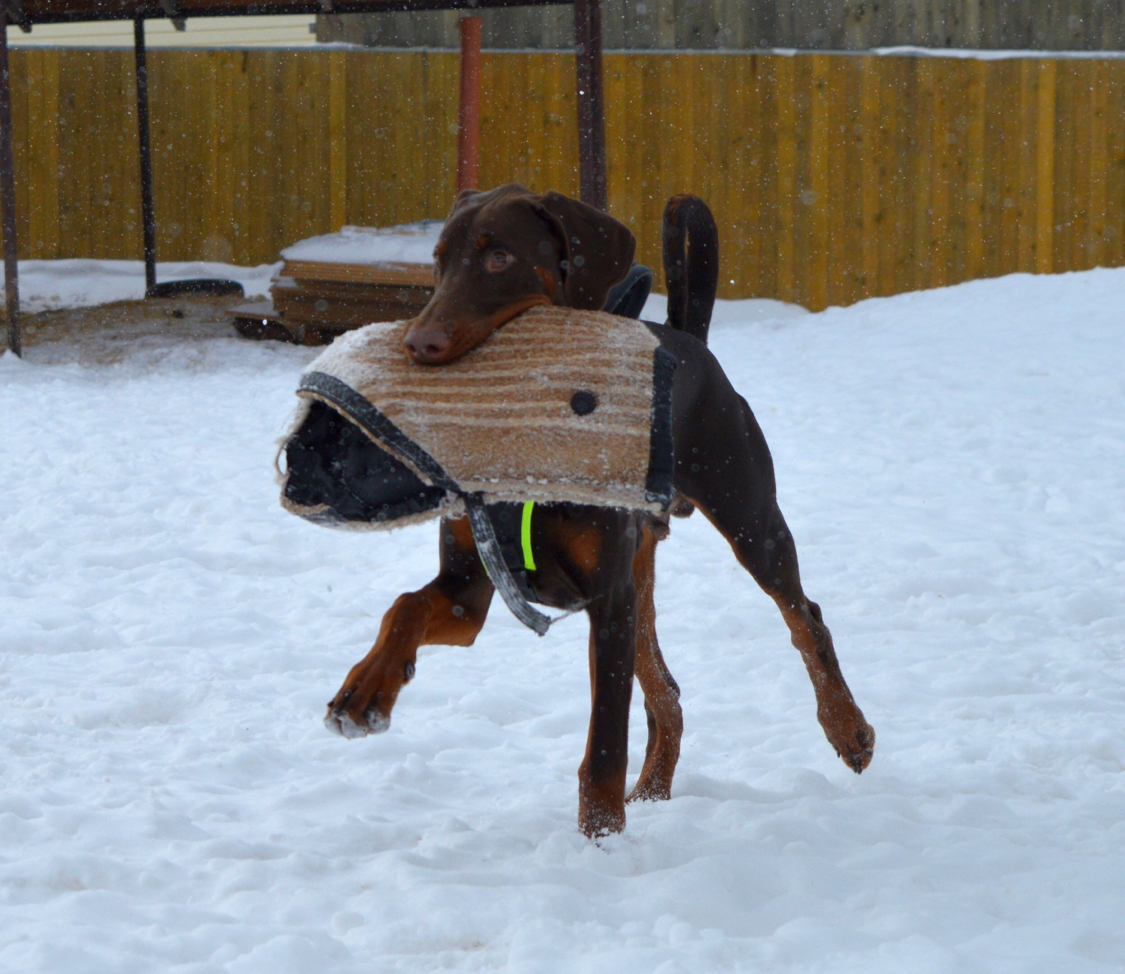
662, 696
728, 474
449, 611
773, 563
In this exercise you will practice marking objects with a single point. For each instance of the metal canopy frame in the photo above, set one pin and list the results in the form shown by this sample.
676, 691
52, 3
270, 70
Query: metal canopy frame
26, 13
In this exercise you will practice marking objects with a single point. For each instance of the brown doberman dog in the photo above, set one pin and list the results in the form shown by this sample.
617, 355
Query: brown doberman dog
506, 250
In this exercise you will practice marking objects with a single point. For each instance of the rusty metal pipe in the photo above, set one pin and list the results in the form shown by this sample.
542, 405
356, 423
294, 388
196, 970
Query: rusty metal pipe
468, 120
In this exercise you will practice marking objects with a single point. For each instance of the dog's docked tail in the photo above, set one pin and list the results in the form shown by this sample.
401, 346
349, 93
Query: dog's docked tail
691, 264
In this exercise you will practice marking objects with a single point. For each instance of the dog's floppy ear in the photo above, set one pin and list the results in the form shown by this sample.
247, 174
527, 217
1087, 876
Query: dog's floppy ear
599, 249
463, 197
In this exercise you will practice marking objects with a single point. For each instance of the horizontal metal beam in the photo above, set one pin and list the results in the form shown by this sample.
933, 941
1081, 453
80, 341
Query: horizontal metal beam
80, 11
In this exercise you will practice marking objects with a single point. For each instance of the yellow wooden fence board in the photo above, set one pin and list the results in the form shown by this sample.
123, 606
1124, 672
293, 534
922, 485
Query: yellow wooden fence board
922, 171
21, 125
912, 195
1080, 110
805, 241
1045, 167
41, 171
785, 101
869, 137
768, 181
1115, 162
845, 196
1098, 163
940, 237
955, 98
73, 169
559, 142
535, 139
650, 158
739, 130
891, 177
495, 122
814, 197
1008, 152
219, 212
338, 138
624, 167
975, 168
1027, 196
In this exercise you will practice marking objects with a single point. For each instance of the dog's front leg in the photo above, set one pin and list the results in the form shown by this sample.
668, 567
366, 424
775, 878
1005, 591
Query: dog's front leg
448, 611
601, 777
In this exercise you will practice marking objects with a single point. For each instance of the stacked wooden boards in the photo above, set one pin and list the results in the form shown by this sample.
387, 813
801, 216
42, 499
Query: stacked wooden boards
333, 298
336, 282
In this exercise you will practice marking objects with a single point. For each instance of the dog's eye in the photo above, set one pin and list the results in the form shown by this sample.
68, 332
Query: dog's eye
497, 260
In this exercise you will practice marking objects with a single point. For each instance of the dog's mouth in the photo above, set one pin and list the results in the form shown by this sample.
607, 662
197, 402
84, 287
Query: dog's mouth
430, 340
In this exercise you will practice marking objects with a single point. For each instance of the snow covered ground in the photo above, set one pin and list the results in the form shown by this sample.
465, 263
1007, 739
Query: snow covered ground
46, 285
952, 464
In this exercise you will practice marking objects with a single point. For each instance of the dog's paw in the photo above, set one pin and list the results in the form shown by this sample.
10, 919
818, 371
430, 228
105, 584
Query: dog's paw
340, 721
601, 824
857, 755
655, 791
342, 724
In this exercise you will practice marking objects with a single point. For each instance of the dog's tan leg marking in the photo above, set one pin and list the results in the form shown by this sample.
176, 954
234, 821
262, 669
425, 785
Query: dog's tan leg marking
601, 805
662, 703
449, 611
836, 709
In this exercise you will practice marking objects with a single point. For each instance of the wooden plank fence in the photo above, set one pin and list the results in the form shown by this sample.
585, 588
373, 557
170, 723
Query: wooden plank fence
833, 177
827, 25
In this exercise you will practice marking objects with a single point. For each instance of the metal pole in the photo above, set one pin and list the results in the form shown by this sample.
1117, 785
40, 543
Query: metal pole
148, 220
468, 128
591, 113
8, 194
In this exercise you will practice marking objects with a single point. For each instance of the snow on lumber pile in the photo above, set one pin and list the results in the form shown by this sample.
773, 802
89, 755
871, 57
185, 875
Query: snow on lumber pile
340, 281
559, 405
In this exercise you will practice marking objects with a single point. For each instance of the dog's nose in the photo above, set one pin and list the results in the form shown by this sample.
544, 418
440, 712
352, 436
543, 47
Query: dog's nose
426, 343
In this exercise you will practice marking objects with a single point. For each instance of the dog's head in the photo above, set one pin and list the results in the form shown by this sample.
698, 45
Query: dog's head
506, 250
